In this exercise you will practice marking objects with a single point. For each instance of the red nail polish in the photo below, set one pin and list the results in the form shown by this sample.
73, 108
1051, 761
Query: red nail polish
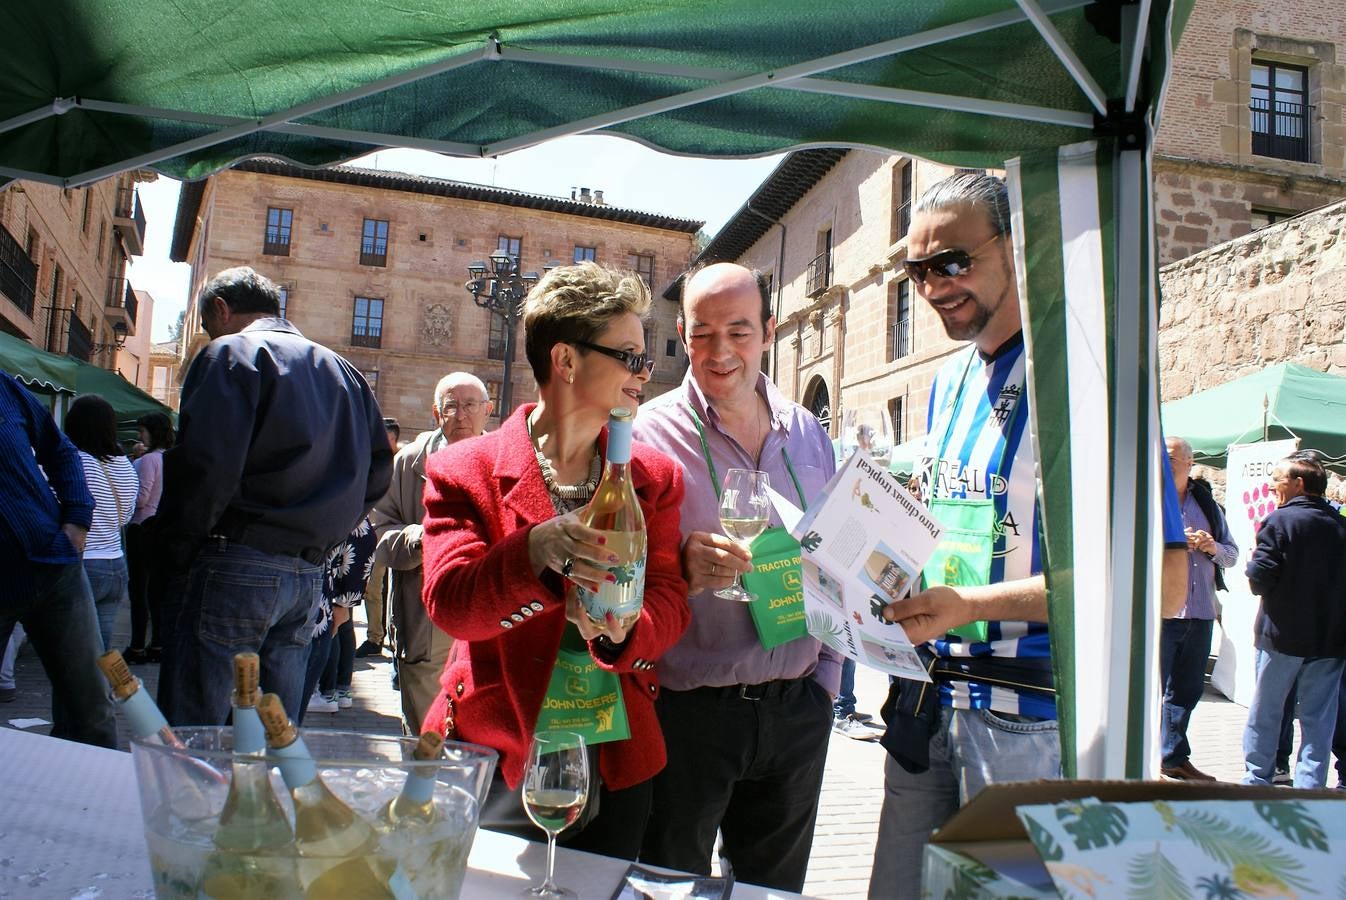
611, 579
602, 540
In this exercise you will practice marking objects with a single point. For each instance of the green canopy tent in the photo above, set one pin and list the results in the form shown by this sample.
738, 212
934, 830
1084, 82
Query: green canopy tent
1063, 93
41, 371
1281, 401
129, 401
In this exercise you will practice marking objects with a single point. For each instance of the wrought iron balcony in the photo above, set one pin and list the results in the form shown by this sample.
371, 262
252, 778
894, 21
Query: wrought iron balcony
122, 304
18, 273
363, 339
80, 342
820, 274
1282, 129
901, 339
129, 220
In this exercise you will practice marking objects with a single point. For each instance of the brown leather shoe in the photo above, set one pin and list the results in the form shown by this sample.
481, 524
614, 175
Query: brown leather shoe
1186, 772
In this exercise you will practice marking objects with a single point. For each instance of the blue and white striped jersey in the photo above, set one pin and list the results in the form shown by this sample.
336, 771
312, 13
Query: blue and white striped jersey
978, 447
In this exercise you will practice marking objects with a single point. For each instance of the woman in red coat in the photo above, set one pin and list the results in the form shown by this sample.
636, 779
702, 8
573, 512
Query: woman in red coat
503, 539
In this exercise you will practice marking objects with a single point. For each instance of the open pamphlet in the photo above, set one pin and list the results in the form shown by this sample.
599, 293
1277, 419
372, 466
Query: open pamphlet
641, 883
864, 542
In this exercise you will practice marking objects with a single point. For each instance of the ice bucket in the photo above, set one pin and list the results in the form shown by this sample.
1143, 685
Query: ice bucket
183, 792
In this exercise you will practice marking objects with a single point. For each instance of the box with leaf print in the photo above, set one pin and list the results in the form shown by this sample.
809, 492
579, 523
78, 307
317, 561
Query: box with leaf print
1141, 839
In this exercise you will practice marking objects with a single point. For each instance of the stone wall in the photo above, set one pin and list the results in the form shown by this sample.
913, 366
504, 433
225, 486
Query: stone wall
1276, 295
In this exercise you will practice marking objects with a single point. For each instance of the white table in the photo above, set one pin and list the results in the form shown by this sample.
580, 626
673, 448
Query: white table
70, 827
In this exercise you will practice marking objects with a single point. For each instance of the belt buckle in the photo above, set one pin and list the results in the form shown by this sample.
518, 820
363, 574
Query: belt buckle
753, 691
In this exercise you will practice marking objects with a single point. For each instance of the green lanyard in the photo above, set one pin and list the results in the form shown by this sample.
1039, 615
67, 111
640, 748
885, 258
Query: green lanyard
710, 464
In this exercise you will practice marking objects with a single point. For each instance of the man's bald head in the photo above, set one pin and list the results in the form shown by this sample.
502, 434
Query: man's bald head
722, 278
462, 405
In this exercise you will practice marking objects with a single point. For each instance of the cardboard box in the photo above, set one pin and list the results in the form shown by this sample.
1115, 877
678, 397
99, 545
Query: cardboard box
984, 851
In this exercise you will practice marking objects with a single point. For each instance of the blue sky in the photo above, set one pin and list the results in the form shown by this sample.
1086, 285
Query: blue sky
629, 174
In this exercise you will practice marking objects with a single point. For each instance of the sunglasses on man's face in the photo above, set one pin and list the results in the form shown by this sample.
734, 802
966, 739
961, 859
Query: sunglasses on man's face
635, 362
946, 263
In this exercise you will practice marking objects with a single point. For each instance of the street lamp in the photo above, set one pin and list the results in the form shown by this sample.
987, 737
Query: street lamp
119, 335
499, 289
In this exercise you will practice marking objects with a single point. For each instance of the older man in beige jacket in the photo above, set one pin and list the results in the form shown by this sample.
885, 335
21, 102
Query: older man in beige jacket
461, 408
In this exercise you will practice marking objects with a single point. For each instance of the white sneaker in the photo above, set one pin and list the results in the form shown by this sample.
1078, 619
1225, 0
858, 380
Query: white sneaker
857, 729
319, 703
344, 700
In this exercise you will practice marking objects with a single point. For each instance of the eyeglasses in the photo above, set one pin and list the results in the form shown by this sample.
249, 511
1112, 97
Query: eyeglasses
453, 407
946, 263
635, 362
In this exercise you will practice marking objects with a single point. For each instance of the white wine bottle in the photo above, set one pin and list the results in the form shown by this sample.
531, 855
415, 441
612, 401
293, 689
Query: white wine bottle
254, 841
615, 511
415, 805
338, 851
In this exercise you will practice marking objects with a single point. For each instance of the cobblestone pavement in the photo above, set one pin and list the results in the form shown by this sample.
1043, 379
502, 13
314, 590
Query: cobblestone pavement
843, 844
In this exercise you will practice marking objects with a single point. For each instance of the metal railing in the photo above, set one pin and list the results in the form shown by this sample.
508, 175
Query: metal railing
80, 342
1282, 129
901, 339
128, 208
819, 273
121, 295
371, 338
18, 273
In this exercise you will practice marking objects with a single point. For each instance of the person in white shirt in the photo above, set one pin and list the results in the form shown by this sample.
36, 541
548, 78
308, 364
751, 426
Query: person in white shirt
91, 425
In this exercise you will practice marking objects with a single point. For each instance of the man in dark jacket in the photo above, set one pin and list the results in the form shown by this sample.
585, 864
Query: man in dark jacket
281, 451
1184, 639
1299, 571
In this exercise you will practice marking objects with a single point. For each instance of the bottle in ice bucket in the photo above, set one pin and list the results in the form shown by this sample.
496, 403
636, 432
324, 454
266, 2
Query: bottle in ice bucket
615, 511
338, 851
415, 805
254, 841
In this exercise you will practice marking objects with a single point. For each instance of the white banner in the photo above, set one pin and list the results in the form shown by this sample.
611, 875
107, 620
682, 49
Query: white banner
1248, 500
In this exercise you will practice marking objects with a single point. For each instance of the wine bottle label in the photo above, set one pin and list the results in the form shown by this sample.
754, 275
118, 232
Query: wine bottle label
622, 597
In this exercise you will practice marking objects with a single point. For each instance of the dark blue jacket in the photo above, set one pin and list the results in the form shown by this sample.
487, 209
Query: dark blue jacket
1299, 570
35, 502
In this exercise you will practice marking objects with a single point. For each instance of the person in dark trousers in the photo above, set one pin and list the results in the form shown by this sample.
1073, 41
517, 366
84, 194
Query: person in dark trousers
1184, 639
1300, 629
281, 450
45, 513
142, 563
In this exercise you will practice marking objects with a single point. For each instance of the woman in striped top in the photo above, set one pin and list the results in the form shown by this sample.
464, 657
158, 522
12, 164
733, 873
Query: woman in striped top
91, 425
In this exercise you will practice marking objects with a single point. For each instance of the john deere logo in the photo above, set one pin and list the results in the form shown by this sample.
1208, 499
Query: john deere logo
576, 686
792, 580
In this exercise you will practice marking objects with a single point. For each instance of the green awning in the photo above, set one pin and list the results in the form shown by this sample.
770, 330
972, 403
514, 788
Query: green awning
129, 401
36, 368
1064, 94
1281, 401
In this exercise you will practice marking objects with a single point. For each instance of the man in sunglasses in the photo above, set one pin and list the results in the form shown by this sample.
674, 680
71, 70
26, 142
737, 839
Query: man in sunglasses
461, 408
992, 717
746, 727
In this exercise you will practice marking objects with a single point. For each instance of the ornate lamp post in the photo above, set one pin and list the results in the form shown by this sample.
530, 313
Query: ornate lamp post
500, 290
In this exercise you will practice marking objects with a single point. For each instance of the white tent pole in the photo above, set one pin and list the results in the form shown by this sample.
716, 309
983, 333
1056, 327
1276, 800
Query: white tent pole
1067, 56
1140, 31
748, 82
1042, 114
55, 108
265, 123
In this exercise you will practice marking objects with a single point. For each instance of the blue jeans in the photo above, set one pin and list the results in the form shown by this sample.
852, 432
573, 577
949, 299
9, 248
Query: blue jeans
55, 607
234, 599
108, 581
970, 749
844, 705
1184, 647
1319, 680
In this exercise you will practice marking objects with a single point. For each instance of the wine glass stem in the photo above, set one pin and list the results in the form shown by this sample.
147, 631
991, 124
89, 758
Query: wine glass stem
550, 885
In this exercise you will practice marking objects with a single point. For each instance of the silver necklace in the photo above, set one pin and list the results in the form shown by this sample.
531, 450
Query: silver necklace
582, 491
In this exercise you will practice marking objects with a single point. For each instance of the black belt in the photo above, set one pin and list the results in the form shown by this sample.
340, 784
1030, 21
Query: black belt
767, 690
312, 555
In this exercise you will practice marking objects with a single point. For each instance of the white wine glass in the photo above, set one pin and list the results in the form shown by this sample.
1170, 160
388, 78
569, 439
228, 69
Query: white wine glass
555, 787
744, 512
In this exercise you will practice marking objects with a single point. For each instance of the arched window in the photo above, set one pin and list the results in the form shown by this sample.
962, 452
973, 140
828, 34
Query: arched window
818, 401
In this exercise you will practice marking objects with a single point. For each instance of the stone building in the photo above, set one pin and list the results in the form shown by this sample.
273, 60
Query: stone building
1276, 295
133, 358
1253, 132
1254, 126
164, 383
373, 265
63, 258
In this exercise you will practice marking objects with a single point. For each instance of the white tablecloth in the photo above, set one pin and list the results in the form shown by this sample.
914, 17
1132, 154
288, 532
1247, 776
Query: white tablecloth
70, 827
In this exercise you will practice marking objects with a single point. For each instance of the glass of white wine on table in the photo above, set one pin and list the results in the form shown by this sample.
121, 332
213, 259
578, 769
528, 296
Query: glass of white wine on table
555, 787
744, 513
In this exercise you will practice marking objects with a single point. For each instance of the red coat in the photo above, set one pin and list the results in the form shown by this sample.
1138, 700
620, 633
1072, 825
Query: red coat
482, 497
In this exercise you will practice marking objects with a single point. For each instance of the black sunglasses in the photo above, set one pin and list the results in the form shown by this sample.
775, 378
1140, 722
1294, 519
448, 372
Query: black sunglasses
635, 362
945, 263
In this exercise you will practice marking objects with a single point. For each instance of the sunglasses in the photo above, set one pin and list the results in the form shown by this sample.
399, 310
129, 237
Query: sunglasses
945, 263
635, 362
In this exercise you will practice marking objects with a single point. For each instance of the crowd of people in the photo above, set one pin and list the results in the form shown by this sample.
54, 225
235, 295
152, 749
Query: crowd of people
284, 497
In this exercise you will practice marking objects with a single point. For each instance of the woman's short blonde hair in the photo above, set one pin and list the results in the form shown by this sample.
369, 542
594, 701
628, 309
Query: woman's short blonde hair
574, 303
